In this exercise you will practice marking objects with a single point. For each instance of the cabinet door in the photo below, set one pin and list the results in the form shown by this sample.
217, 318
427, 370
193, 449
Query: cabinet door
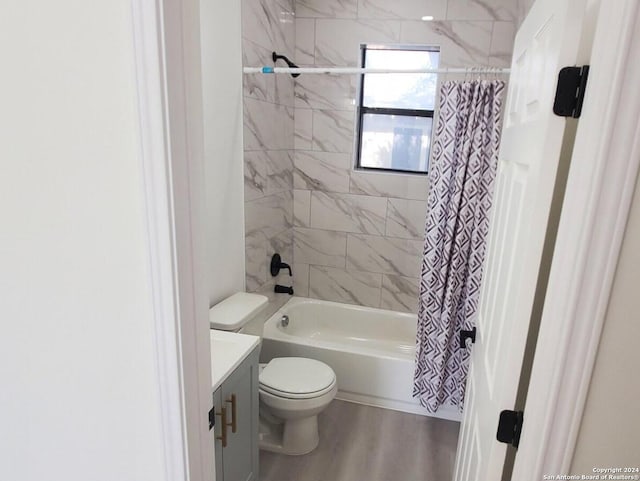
217, 405
240, 457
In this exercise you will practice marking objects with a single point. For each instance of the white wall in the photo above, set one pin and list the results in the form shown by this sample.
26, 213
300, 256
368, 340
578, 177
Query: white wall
610, 430
78, 399
220, 25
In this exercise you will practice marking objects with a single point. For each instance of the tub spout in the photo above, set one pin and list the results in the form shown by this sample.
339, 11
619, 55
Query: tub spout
278, 289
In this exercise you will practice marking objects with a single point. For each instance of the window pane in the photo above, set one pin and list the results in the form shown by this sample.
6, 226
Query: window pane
402, 91
395, 142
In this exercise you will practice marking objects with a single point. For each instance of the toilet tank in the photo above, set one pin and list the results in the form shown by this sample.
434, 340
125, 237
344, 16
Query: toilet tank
235, 311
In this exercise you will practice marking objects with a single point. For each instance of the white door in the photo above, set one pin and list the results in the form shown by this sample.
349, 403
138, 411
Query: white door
529, 156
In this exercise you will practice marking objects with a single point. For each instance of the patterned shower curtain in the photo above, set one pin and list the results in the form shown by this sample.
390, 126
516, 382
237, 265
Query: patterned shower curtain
463, 167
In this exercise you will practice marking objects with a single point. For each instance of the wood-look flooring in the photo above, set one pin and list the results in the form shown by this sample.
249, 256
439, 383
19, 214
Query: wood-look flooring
364, 443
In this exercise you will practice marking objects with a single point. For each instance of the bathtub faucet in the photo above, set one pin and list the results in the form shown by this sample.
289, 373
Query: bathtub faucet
278, 289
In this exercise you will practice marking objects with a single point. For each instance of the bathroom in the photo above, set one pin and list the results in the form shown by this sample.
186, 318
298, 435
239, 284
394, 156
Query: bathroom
348, 237
204, 277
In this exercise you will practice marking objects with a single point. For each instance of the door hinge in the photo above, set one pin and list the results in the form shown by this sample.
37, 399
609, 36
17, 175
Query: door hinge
572, 83
510, 427
212, 418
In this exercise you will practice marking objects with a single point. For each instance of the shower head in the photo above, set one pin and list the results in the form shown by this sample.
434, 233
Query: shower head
275, 57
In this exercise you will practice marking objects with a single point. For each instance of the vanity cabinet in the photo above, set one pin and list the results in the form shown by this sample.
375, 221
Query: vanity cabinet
236, 425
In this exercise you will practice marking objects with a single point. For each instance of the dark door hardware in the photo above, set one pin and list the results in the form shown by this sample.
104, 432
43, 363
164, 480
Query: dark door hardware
277, 264
510, 427
464, 335
572, 83
212, 418
275, 57
278, 289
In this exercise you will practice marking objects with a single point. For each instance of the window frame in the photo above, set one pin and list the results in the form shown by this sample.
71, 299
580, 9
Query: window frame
362, 109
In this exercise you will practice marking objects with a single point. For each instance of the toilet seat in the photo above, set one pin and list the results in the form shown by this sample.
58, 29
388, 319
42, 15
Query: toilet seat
296, 378
288, 395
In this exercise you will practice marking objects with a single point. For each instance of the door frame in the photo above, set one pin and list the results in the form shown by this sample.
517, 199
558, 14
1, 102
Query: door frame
600, 187
595, 210
166, 37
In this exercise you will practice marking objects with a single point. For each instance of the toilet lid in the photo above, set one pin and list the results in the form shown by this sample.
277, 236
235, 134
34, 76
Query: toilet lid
296, 376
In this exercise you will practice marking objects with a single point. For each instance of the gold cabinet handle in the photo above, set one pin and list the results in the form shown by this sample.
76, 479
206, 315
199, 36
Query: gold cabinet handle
223, 428
234, 413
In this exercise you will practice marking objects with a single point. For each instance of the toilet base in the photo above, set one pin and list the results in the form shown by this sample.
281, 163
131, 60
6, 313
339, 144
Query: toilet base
294, 437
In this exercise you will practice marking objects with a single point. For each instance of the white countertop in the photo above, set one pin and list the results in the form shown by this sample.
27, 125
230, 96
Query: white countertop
228, 350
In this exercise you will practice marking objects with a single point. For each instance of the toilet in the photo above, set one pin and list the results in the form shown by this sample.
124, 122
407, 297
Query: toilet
292, 390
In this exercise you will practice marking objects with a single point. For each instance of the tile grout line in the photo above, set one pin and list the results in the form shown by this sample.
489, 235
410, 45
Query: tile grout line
415, 239
309, 280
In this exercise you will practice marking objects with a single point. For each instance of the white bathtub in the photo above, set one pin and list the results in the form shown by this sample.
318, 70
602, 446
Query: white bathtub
371, 350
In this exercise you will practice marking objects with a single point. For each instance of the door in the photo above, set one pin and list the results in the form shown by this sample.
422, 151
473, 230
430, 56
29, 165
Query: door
240, 395
217, 406
532, 141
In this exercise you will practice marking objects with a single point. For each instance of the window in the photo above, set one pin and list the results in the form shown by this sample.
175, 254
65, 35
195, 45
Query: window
395, 111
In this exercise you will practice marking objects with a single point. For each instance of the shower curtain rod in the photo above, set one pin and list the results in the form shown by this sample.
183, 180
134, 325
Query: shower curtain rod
356, 70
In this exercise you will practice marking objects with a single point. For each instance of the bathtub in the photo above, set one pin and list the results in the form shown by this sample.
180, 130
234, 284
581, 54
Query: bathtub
371, 350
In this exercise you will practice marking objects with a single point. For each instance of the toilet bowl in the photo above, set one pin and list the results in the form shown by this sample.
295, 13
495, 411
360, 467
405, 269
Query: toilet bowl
293, 391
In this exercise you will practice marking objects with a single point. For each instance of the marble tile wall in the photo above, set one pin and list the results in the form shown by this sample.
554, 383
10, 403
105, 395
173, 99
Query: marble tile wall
358, 235
523, 9
267, 26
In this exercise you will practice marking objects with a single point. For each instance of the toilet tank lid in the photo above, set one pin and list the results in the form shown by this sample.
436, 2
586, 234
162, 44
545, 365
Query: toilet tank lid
235, 311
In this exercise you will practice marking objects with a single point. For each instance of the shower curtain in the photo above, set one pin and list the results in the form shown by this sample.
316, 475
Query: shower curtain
461, 176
